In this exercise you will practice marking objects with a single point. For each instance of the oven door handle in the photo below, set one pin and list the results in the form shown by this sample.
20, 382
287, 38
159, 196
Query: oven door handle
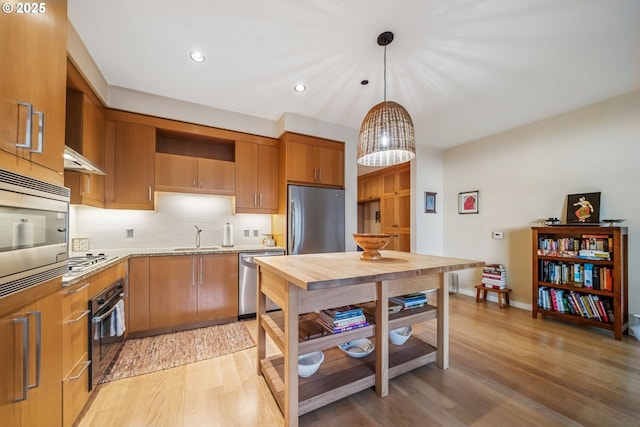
100, 318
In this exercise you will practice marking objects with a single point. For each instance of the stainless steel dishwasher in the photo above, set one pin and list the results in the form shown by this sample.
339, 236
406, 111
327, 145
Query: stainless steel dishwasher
248, 283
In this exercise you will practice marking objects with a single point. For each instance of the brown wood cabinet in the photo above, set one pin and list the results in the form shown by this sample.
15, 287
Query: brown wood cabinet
189, 174
86, 189
40, 405
85, 127
369, 187
314, 161
218, 287
75, 351
138, 318
189, 290
256, 178
392, 186
130, 166
32, 91
587, 291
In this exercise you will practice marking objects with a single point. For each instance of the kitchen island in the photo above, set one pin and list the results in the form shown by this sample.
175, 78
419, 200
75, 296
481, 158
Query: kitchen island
303, 284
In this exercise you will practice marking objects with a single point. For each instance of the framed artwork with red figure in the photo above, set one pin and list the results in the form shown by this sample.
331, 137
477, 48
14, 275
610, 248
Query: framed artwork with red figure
583, 208
468, 202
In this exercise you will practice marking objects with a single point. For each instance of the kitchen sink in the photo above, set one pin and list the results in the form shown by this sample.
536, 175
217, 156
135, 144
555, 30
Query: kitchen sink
194, 249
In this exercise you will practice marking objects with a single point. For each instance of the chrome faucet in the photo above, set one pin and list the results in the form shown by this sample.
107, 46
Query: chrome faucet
198, 231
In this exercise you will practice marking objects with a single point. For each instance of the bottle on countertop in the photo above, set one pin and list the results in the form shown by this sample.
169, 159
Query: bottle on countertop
227, 236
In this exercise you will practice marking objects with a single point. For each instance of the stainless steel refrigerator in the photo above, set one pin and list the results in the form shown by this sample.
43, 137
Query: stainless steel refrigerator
315, 220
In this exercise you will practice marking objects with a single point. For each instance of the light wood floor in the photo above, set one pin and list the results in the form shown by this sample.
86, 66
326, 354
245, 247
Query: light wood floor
507, 369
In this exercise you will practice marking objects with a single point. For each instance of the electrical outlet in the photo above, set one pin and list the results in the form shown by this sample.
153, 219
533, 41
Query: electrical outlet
498, 235
246, 234
129, 233
256, 233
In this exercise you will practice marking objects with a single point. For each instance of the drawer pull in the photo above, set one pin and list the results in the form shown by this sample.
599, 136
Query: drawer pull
83, 314
75, 291
84, 368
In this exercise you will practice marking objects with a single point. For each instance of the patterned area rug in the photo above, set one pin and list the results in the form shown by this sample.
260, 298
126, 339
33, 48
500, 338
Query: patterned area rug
144, 355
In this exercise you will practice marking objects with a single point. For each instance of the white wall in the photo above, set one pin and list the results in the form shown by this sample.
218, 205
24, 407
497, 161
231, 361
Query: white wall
171, 224
427, 175
525, 174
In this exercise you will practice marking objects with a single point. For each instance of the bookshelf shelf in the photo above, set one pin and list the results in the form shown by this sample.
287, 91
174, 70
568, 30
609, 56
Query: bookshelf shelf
590, 292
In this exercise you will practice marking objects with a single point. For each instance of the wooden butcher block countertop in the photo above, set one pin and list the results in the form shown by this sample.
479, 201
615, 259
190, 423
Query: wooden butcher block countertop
319, 271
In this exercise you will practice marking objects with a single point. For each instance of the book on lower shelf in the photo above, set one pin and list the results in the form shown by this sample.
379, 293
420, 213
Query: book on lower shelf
341, 319
407, 302
585, 305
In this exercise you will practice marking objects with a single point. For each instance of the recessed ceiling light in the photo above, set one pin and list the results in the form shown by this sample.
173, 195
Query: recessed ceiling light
196, 56
299, 87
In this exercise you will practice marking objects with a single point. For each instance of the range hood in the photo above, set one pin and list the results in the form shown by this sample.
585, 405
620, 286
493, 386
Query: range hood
77, 162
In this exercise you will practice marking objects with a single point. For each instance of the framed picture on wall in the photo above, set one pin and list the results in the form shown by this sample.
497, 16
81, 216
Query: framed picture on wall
429, 202
583, 208
468, 202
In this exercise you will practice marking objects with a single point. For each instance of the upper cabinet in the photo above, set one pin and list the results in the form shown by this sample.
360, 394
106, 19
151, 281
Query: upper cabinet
130, 165
256, 177
314, 161
194, 164
85, 133
32, 91
391, 188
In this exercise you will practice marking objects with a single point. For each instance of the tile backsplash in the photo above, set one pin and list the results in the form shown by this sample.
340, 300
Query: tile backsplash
172, 224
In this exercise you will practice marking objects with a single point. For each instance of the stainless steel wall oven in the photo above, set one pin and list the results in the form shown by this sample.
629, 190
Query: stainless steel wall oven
33, 231
104, 340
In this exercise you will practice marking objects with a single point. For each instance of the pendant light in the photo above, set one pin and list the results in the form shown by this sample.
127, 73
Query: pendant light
386, 136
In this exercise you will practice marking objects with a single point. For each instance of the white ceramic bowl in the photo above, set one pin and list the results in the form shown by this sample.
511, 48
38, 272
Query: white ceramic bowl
309, 363
401, 335
358, 348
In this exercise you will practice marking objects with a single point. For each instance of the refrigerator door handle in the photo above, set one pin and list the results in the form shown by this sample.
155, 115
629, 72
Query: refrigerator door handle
292, 231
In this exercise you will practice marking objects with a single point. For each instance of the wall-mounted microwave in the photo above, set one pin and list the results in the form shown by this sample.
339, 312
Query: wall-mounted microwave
34, 219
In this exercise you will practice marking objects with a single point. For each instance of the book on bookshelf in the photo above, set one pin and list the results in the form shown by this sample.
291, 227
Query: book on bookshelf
344, 311
337, 330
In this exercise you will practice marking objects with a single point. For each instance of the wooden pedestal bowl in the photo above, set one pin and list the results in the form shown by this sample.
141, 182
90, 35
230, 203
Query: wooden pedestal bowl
371, 244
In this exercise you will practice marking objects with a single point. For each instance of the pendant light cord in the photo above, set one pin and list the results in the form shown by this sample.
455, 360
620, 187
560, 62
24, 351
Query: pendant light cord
385, 74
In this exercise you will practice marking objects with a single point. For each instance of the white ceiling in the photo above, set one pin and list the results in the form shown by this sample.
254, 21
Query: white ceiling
464, 69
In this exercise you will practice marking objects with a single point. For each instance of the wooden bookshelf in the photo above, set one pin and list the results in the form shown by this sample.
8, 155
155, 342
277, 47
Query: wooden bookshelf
587, 290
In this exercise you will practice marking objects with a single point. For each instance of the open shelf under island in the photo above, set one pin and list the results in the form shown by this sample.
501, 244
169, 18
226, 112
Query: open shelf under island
302, 284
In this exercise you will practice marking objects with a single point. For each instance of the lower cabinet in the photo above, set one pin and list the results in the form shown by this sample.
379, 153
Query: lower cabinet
31, 364
75, 351
174, 291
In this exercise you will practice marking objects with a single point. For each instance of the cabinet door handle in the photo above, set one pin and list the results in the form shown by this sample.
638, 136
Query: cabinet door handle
255, 201
75, 291
77, 319
150, 193
27, 138
315, 175
319, 175
38, 316
193, 271
260, 199
193, 183
40, 115
25, 358
200, 273
84, 368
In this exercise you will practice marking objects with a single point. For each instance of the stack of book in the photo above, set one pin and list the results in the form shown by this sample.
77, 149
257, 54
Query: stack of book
342, 319
410, 301
494, 276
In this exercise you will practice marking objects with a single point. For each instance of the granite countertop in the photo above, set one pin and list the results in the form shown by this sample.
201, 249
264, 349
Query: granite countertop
119, 255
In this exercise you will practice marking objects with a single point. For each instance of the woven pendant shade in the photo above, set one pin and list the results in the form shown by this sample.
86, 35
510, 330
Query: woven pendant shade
386, 136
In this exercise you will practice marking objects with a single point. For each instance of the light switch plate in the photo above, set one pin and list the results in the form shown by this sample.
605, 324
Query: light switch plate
79, 244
